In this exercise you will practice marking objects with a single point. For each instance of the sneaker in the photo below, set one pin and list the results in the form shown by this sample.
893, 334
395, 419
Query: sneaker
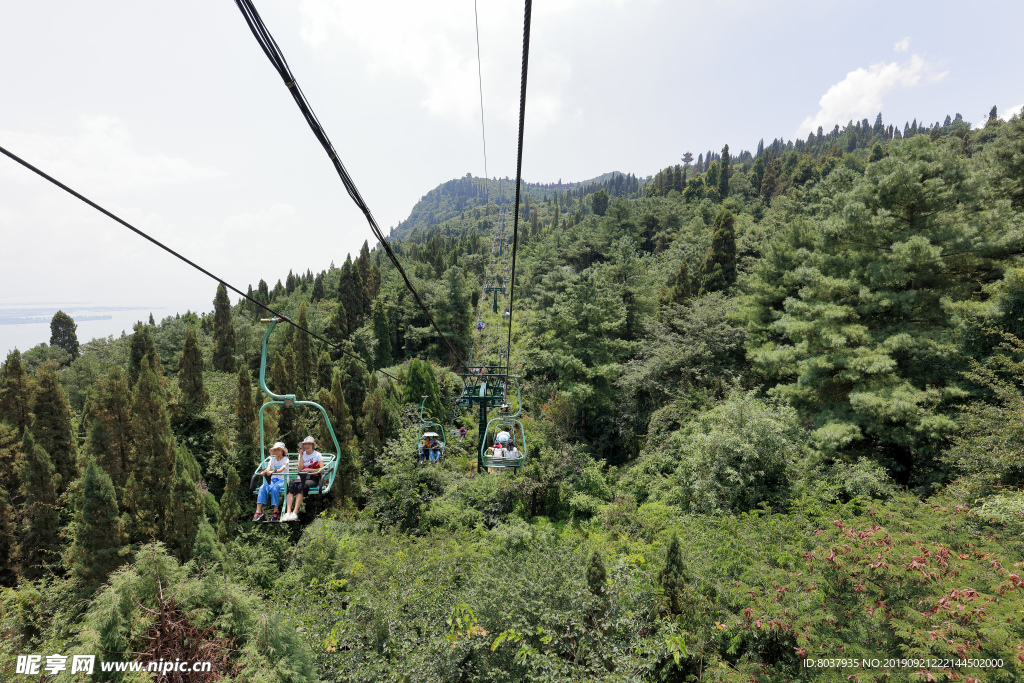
257, 517
276, 517
291, 517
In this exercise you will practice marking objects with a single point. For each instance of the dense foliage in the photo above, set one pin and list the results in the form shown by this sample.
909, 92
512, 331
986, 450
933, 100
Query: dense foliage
772, 408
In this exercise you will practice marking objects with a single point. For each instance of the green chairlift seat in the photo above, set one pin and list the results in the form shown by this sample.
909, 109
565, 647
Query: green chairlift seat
330, 469
429, 428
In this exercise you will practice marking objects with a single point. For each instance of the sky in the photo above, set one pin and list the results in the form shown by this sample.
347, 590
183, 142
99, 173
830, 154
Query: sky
170, 116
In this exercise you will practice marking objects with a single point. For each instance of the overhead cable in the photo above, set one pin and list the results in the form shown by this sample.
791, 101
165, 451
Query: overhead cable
519, 176
276, 57
195, 265
480, 80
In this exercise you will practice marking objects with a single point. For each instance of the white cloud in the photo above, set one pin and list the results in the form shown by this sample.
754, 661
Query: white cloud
100, 158
1006, 112
902, 45
436, 47
859, 95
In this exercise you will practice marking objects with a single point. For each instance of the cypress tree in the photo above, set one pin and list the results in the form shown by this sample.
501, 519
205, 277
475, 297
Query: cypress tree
98, 538
337, 331
318, 287
230, 507
62, 333
324, 370
190, 375
109, 436
224, 331
141, 350
373, 283
52, 428
182, 515
206, 548
597, 575
363, 265
356, 381
877, 153
712, 179
10, 451
8, 540
39, 528
421, 381
246, 424
303, 354
285, 416
674, 577
334, 403
720, 263
600, 202
379, 423
382, 333
681, 285
152, 456
723, 180
15, 393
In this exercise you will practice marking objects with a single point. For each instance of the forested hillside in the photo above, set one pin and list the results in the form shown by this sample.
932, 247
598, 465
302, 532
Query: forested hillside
772, 408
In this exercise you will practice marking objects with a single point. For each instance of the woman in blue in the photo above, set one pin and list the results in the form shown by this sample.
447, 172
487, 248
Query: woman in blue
274, 487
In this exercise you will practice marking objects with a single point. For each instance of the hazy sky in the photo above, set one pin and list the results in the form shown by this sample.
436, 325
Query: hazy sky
170, 115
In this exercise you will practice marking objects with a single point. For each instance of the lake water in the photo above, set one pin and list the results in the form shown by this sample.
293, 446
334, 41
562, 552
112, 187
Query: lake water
24, 325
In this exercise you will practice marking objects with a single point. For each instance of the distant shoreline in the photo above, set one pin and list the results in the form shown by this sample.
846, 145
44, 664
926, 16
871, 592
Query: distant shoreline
46, 320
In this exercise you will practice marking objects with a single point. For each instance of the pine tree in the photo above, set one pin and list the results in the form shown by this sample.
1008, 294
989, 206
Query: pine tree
62, 333
52, 428
230, 507
382, 333
303, 355
141, 350
39, 528
723, 180
109, 430
152, 456
877, 153
194, 396
98, 537
600, 202
719, 270
16, 392
224, 331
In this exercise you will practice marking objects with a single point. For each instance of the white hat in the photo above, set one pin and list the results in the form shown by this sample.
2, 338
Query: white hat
279, 445
308, 439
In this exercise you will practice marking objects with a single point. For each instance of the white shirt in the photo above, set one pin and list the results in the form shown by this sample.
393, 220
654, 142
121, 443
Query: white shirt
275, 464
308, 459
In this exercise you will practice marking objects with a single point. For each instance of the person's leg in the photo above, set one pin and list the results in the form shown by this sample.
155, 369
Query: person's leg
275, 494
261, 498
